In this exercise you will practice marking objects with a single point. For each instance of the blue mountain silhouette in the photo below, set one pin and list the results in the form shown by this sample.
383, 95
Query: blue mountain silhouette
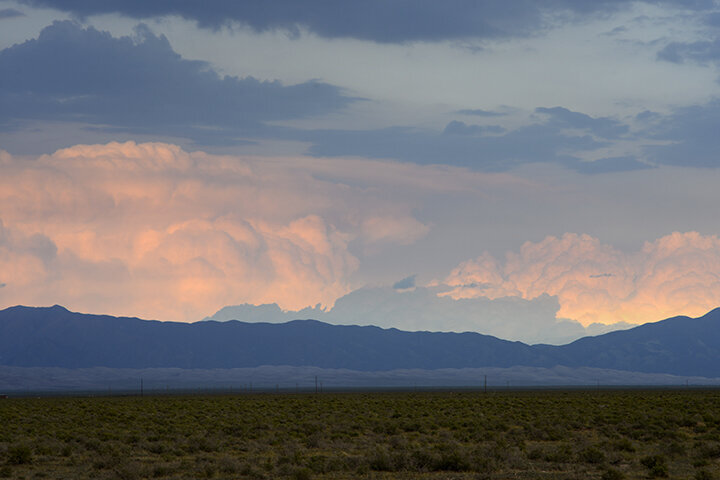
56, 337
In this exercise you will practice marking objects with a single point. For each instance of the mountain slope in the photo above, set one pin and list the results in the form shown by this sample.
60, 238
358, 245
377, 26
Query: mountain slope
678, 345
35, 337
56, 337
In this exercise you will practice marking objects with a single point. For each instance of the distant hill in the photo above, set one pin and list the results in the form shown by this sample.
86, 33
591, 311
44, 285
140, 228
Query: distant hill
678, 345
56, 337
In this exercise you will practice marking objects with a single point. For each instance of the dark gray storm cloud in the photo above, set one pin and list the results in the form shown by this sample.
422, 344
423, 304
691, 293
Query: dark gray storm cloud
141, 85
375, 20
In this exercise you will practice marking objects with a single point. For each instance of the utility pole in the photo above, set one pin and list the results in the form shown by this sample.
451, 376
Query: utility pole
485, 384
141, 387
316, 384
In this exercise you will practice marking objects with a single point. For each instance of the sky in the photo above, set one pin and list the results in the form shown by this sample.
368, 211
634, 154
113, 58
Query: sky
532, 170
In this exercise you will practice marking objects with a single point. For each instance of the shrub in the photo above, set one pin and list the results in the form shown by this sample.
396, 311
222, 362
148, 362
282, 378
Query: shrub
703, 475
380, 461
624, 445
612, 474
302, 474
129, 471
656, 465
161, 471
559, 454
451, 461
592, 455
709, 451
19, 455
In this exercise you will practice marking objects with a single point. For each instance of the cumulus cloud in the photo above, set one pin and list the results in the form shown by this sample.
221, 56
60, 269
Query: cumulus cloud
152, 230
141, 85
678, 274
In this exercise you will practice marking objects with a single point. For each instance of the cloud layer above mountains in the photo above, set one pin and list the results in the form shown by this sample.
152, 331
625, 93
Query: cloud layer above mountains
678, 274
154, 231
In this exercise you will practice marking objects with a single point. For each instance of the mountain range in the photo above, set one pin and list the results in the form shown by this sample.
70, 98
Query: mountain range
56, 337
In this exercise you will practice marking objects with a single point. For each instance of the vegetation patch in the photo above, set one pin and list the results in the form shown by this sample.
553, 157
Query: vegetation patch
608, 435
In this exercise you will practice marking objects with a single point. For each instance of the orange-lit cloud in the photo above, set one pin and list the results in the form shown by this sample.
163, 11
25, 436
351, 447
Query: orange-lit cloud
678, 274
154, 231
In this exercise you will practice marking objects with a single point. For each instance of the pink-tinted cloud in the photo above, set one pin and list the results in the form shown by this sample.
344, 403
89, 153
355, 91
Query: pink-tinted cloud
403, 230
154, 231
678, 274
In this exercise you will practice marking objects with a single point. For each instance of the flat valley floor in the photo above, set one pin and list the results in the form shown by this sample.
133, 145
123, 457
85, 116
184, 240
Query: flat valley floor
602, 434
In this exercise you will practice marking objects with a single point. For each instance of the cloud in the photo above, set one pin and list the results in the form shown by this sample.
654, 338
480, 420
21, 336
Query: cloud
10, 13
151, 230
405, 283
485, 148
700, 52
603, 127
420, 309
678, 274
536, 143
690, 136
385, 229
141, 85
611, 164
457, 127
374, 20
480, 112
